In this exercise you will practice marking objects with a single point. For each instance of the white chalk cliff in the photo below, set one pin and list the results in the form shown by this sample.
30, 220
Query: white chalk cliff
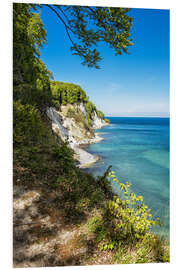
97, 121
73, 127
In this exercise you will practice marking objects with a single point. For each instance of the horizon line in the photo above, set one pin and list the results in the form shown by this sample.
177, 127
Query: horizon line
137, 116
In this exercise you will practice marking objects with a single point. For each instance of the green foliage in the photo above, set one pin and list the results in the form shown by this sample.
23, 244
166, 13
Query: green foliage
22, 48
100, 114
96, 196
106, 120
39, 162
94, 223
27, 126
64, 154
142, 255
102, 233
87, 26
165, 257
67, 93
130, 218
79, 118
104, 183
30, 76
90, 107
36, 32
126, 259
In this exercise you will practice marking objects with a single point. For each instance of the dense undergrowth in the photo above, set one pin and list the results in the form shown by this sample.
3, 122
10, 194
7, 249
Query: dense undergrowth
120, 226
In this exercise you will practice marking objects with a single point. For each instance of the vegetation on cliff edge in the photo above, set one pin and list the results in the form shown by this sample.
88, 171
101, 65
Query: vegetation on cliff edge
69, 93
106, 228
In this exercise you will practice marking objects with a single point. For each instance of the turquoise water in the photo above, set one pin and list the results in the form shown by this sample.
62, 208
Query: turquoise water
138, 150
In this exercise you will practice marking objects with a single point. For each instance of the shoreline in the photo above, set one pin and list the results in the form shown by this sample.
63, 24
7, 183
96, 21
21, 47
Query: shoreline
84, 158
66, 128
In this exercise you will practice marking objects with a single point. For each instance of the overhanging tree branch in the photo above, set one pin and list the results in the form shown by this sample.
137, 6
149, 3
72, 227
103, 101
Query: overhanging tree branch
66, 26
64, 15
87, 26
79, 50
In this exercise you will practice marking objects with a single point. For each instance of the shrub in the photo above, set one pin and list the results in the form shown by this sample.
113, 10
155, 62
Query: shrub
104, 183
94, 223
106, 120
27, 124
129, 217
65, 155
100, 114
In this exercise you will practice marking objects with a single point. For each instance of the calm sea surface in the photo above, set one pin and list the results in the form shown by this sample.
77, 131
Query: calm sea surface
138, 150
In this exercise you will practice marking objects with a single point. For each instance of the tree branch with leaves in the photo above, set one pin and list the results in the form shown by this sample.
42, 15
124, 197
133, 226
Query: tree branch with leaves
87, 26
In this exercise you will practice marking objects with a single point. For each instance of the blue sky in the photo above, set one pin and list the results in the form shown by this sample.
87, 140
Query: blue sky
126, 85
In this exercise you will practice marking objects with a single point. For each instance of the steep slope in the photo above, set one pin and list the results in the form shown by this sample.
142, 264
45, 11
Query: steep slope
61, 215
75, 122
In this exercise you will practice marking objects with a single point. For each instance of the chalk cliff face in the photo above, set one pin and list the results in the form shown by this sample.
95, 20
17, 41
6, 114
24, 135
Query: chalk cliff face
70, 124
97, 121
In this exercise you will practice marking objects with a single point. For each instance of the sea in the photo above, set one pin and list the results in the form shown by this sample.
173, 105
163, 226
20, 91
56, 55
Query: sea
138, 150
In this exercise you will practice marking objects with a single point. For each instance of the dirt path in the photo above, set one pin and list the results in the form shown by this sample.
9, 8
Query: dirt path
41, 237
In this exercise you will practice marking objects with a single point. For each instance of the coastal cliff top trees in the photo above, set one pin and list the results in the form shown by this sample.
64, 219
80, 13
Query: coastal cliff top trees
67, 93
70, 93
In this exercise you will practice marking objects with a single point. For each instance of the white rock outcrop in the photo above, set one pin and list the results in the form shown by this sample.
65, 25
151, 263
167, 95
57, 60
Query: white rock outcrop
75, 133
57, 123
83, 110
98, 122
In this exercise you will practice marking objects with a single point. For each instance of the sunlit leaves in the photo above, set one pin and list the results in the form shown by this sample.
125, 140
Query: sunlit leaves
30, 76
36, 32
87, 26
131, 217
69, 93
